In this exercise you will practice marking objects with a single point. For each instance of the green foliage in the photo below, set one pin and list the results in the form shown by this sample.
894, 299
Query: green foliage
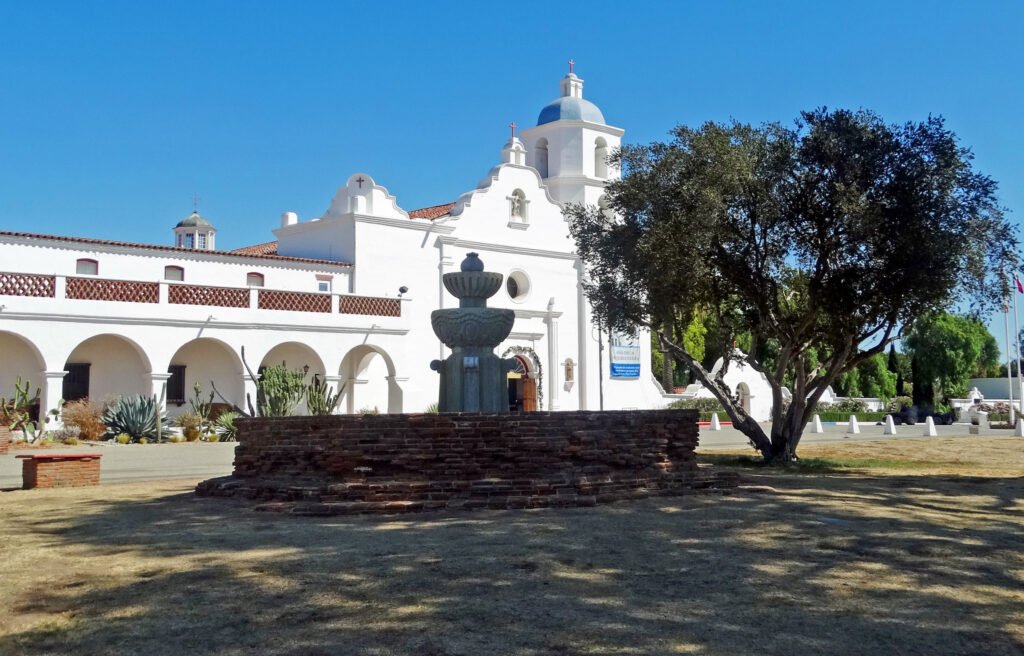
123, 438
224, 426
898, 403
871, 378
279, 391
794, 239
16, 410
191, 425
704, 407
846, 405
947, 350
367, 410
432, 409
320, 398
135, 415
201, 407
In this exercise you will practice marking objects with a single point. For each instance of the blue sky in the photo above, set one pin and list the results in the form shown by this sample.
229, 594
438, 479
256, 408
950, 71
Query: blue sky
113, 114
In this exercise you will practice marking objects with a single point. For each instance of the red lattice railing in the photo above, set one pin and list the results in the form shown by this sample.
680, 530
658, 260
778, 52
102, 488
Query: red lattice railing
374, 305
294, 301
199, 295
26, 284
126, 291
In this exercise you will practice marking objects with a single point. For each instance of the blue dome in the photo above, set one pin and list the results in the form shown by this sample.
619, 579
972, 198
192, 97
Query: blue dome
569, 108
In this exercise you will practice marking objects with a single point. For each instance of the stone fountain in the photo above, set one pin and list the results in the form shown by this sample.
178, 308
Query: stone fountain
473, 378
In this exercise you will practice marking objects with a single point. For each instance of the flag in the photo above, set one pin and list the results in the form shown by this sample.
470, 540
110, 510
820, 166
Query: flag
1020, 287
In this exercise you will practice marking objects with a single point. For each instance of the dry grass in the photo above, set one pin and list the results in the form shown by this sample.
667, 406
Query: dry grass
861, 562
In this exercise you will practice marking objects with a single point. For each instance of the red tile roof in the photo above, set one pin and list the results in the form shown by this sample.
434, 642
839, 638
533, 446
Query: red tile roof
266, 248
433, 212
156, 247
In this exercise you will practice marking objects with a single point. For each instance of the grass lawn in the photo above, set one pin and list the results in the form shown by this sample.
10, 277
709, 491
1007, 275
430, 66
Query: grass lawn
897, 547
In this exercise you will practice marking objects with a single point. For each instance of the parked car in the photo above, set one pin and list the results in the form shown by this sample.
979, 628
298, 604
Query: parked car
912, 414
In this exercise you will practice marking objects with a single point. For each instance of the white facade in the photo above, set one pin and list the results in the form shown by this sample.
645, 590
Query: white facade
325, 295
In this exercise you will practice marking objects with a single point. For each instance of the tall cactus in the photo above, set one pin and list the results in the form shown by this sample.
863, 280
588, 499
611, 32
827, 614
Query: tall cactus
321, 399
16, 410
281, 389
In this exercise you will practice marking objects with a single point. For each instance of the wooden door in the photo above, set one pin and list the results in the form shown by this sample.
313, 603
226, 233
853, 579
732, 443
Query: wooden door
529, 395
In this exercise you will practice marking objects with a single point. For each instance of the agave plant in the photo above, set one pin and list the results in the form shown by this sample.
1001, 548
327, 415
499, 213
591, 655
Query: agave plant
135, 416
225, 428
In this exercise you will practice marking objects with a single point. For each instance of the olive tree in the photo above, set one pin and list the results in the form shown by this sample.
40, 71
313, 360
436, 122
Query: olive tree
820, 241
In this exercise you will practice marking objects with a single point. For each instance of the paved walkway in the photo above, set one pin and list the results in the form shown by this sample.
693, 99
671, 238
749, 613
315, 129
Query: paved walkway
128, 463
201, 460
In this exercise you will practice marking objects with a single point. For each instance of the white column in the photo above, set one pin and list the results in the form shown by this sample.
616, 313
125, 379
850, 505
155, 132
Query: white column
334, 383
60, 286
50, 394
582, 338
159, 380
163, 293
553, 374
249, 384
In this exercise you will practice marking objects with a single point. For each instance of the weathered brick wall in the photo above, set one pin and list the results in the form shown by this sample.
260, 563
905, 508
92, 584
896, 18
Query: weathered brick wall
394, 463
71, 472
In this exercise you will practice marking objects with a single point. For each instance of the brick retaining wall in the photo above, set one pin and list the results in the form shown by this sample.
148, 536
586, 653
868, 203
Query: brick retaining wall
400, 463
58, 472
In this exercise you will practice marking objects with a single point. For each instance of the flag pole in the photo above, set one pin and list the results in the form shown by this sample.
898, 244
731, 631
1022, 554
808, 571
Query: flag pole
1009, 356
1016, 340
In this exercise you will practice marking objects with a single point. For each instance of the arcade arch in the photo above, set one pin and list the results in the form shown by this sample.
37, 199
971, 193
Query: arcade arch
204, 360
368, 373
295, 355
21, 359
105, 367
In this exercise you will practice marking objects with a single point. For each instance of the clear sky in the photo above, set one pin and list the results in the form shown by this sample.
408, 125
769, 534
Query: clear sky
112, 114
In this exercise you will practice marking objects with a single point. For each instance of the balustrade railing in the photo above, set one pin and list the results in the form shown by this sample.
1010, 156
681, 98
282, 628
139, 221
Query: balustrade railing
136, 291
102, 289
27, 284
200, 295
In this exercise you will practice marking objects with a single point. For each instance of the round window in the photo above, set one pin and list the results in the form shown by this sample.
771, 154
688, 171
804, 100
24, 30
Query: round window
517, 285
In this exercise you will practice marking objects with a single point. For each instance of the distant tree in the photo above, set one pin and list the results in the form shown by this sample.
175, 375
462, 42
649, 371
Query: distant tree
947, 350
824, 238
870, 378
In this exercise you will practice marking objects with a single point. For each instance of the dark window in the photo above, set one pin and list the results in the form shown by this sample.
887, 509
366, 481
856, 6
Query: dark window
176, 384
512, 286
76, 381
174, 273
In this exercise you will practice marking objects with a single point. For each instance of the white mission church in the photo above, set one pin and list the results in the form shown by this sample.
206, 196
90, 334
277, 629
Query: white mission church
346, 296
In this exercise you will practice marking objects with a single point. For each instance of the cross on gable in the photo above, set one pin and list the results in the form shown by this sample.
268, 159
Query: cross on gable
360, 180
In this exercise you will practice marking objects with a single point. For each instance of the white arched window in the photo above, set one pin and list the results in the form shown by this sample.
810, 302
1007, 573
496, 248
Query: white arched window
540, 157
601, 158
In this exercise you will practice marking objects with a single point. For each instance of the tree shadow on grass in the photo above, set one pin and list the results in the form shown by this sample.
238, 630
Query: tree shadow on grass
822, 564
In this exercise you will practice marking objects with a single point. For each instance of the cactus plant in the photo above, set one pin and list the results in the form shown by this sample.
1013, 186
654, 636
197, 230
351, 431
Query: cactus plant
279, 390
320, 398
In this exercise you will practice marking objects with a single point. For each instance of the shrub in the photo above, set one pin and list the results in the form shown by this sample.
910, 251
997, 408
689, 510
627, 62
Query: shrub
849, 406
212, 437
86, 416
65, 434
899, 402
369, 411
224, 427
135, 416
703, 405
432, 409
191, 425
143, 440
123, 438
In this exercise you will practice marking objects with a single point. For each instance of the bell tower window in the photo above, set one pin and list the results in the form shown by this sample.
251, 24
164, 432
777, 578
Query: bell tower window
540, 157
601, 158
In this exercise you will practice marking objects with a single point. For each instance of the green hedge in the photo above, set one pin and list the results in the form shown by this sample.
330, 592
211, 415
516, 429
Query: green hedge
845, 416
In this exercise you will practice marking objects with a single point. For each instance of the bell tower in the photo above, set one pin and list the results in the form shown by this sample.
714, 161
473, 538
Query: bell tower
570, 145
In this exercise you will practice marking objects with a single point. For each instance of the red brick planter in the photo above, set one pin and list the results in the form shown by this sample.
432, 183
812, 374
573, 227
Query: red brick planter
5, 439
401, 463
60, 470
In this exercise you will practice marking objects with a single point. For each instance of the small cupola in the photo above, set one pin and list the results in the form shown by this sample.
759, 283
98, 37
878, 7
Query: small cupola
195, 232
513, 152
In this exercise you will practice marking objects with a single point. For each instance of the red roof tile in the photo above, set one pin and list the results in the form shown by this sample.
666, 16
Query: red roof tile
266, 248
156, 247
433, 212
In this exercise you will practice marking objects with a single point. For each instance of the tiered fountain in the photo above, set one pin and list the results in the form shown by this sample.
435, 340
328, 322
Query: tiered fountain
473, 378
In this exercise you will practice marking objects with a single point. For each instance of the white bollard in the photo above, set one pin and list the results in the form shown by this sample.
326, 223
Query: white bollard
1019, 430
854, 427
715, 424
890, 427
929, 428
817, 425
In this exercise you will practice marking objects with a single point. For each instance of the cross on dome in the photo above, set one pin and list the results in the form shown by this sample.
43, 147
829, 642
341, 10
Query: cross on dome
513, 126
572, 63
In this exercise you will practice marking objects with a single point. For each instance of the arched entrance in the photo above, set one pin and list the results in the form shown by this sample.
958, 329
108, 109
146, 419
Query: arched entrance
743, 396
21, 359
208, 362
295, 355
522, 386
368, 373
106, 367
